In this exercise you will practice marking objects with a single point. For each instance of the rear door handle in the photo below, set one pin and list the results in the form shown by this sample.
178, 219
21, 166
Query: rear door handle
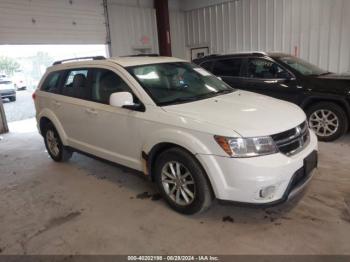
91, 111
57, 104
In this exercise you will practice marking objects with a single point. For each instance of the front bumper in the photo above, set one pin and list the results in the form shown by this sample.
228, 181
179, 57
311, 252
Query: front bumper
244, 179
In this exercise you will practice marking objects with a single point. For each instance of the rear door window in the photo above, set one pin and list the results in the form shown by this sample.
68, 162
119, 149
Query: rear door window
228, 67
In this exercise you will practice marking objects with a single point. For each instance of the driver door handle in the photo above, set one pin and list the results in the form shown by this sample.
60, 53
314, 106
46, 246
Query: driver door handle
91, 111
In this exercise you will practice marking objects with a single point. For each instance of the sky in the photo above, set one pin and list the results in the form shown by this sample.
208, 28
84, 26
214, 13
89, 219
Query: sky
55, 51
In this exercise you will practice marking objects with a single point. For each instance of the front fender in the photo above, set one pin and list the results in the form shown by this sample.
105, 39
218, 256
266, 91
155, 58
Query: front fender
199, 144
331, 98
192, 143
47, 113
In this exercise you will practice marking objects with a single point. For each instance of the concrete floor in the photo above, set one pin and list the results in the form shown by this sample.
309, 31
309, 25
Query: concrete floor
22, 108
89, 207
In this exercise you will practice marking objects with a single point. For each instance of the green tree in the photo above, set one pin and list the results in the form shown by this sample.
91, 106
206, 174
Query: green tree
8, 65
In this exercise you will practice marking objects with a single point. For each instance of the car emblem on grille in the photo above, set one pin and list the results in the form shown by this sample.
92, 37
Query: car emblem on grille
298, 130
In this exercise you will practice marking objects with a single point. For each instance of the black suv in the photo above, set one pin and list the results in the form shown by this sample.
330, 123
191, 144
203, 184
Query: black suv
324, 96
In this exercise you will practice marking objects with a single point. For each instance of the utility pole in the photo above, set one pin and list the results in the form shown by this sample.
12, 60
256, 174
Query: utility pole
3, 123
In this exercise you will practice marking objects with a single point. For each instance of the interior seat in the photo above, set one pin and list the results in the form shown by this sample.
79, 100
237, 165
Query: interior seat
80, 87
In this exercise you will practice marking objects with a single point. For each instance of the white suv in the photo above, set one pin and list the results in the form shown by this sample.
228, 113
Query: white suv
191, 133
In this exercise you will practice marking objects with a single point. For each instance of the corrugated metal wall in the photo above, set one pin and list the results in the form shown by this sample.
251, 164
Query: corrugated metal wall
319, 29
132, 28
178, 34
52, 22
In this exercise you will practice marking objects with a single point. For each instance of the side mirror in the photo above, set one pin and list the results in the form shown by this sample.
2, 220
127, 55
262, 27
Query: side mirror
286, 76
121, 99
125, 100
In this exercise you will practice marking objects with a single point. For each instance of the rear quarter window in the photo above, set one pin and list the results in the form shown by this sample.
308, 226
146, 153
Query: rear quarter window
51, 83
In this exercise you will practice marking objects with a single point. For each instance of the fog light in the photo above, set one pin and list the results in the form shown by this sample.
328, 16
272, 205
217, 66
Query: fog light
267, 192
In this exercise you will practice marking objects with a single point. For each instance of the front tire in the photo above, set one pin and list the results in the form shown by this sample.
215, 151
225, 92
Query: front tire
182, 182
327, 120
12, 99
54, 146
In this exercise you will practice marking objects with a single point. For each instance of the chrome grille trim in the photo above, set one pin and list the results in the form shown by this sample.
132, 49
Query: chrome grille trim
294, 140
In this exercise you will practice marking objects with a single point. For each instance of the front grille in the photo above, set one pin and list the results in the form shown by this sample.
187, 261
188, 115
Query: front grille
292, 141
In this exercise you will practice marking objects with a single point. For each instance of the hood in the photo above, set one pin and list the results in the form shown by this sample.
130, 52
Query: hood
246, 113
343, 76
337, 84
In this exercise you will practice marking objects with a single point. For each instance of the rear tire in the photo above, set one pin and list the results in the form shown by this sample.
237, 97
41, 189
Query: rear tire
328, 120
57, 151
182, 182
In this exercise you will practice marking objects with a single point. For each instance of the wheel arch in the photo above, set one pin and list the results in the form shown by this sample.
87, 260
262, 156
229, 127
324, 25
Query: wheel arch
48, 117
156, 151
161, 147
168, 137
319, 99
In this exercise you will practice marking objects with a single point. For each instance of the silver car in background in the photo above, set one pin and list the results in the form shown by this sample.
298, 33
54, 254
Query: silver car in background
7, 89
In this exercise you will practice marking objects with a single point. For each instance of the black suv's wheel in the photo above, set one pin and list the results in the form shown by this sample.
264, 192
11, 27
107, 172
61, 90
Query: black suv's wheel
54, 146
182, 182
12, 98
328, 120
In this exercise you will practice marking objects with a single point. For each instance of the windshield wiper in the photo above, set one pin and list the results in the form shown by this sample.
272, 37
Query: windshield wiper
226, 91
195, 98
178, 100
326, 73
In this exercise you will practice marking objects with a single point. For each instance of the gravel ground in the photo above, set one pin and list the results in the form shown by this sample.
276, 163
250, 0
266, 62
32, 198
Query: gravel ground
21, 109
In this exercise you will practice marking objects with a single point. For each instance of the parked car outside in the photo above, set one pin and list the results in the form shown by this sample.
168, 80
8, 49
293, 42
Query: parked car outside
7, 89
191, 133
19, 82
324, 96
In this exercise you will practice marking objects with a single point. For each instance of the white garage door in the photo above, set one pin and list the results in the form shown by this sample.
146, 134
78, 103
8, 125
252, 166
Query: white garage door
52, 22
132, 29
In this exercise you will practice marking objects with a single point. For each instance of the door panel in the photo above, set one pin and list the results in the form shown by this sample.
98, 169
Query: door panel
278, 88
112, 133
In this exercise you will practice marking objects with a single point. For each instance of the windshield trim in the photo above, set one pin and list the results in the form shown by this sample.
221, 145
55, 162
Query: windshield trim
174, 102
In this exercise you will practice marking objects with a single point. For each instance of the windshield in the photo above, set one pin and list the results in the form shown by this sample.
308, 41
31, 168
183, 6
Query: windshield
171, 83
302, 66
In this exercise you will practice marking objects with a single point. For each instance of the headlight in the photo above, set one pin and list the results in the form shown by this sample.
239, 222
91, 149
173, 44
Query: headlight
247, 147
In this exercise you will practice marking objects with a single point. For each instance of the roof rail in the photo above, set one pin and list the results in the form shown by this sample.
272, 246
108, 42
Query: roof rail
212, 55
207, 56
79, 58
140, 55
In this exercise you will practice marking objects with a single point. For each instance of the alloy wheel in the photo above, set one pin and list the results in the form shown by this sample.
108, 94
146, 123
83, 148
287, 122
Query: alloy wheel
324, 122
178, 183
52, 143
